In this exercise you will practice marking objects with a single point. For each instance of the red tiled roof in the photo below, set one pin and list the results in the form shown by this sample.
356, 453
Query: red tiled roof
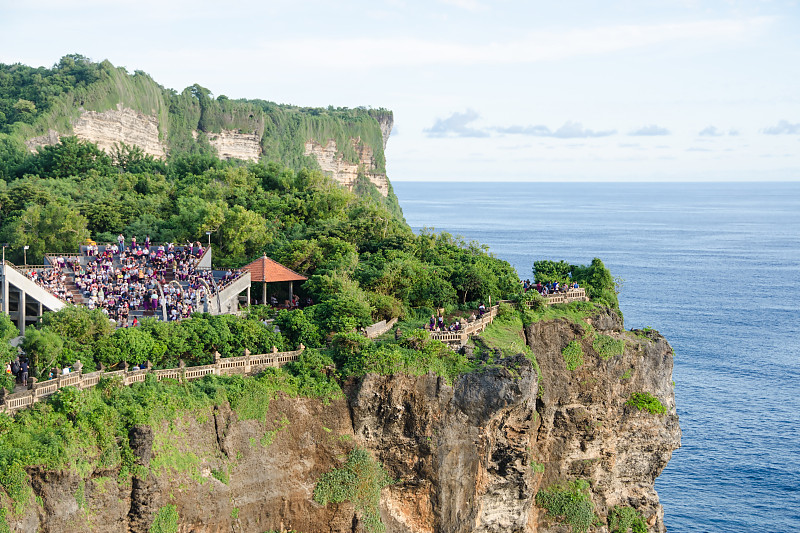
265, 269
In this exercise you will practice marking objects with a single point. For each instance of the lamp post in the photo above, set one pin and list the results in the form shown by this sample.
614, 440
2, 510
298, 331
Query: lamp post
25, 254
209, 238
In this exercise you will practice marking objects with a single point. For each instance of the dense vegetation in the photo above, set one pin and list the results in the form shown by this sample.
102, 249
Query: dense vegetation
36, 100
363, 262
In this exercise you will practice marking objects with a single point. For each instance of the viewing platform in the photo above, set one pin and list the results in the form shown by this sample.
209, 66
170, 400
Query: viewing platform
163, 281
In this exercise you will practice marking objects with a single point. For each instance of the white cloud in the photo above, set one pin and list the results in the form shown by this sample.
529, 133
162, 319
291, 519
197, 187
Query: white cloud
784, 127
711, 131
456, 125
649, 131
361, 53
469, 5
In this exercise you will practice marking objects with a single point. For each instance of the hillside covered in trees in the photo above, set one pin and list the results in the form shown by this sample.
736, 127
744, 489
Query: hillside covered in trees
37, 101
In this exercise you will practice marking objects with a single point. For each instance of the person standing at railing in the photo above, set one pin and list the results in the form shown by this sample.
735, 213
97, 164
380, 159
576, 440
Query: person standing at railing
23, 370
121, 241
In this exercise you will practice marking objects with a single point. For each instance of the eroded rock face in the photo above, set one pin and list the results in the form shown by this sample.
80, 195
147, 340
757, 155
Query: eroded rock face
460, 451
222, 474
235, 145
586, 430
346, 172
468, 456
107, 128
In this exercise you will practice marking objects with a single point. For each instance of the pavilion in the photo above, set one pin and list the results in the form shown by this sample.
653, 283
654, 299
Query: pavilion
267, 270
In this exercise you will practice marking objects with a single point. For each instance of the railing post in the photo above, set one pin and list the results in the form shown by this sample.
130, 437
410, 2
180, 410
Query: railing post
247, 366
217, 369
182, 368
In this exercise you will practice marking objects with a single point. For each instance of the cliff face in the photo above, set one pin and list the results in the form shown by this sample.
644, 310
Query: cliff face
469, 456
346, 172
459, 452
222, 474
586, 430
110, 127
235, 145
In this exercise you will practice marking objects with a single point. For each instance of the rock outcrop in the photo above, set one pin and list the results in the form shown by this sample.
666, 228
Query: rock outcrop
235, 145
468, 456
107, 128
345, 172
587, 431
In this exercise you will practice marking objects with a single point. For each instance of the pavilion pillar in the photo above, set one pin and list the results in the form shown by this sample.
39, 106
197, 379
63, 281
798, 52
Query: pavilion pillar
5, 290
248, 295
23, 301
291, 291
264, 292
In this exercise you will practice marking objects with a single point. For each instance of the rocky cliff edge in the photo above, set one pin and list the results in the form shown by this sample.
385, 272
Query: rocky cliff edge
467, 456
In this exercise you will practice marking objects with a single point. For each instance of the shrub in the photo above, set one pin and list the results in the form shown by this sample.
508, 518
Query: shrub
622, 519
359, 481
644, 401
607, 346
573, 355
570, 502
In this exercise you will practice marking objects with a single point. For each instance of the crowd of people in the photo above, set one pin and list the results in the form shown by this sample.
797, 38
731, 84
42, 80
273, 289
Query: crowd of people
134, 283
548, 288
119, 279
52, 279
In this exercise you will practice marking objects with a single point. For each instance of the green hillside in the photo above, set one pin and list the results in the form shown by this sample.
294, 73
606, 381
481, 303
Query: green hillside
36, 100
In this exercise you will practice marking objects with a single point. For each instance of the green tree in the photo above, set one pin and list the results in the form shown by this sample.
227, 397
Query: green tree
43, 346
52, 228
70, 157
546, 271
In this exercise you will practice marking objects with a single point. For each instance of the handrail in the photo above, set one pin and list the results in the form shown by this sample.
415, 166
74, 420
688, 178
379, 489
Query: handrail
246, 364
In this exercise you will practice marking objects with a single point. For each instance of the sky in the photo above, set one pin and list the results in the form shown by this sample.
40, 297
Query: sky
614, 90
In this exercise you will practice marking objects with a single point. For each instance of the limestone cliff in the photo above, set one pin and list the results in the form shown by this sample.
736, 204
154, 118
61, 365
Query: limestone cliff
468, 456
346, 173
107, 128
234, 145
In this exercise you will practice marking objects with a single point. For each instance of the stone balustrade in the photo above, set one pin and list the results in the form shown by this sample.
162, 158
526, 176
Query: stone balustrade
571, 295
471, 328
379, 328
246, 364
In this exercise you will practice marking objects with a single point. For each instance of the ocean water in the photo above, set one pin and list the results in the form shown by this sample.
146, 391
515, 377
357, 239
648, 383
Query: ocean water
713, 267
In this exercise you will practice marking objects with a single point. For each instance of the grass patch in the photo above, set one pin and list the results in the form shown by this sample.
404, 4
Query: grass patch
570, 503
576, 312
644, 401
359, 481
221, 475
505, 334
573, 355
166, 520
607, 346
628, 373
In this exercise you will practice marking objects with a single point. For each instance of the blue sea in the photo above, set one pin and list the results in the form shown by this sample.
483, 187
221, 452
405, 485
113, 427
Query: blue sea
716, 269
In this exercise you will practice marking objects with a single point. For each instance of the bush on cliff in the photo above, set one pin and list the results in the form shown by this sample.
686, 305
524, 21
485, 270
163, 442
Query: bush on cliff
644, 401
570, 503
623, 519
358, 481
